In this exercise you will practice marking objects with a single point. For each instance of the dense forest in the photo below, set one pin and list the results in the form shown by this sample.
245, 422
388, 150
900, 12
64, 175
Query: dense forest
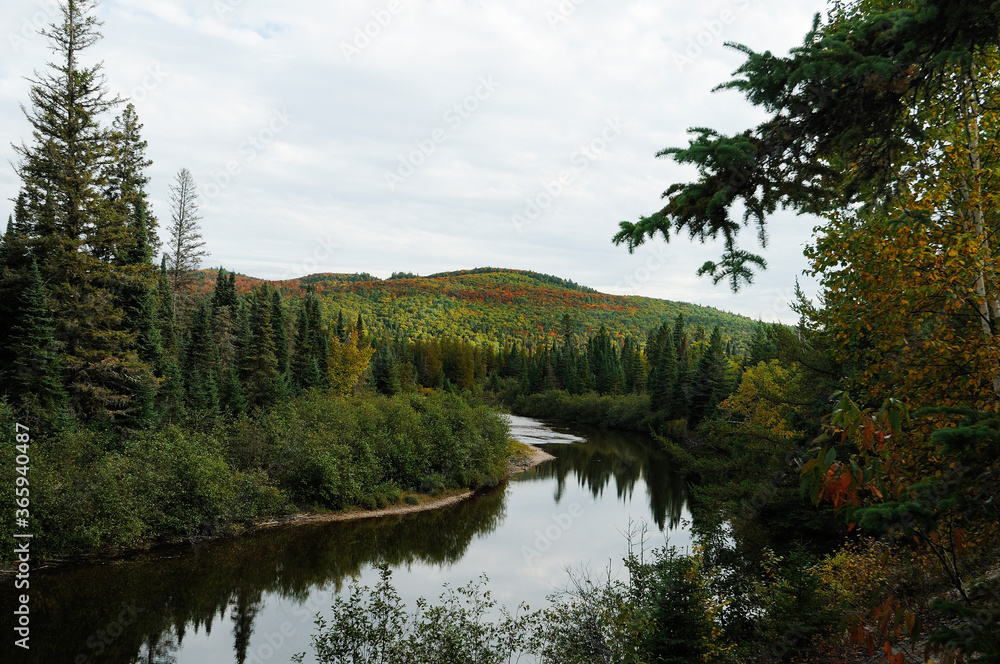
150, 409
844, 472
156, 393
846, 481
488, 306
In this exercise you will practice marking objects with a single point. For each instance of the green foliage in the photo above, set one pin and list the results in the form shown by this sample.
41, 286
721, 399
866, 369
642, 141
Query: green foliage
498, 307
201, 392
337, 453
73, 218
840, 122
260, 374
93, 490
310, 360
36, 369
372, 626
664, 612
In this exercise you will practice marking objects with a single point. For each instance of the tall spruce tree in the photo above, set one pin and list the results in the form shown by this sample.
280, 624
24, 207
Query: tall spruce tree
170, 397
359, 330
75, 234
310, 360
139, 298
226, 329
201, 392
14, 268
259, 366
634, 378
125, 191
708, 386
279, 328
35, 378
663, 369
680, 391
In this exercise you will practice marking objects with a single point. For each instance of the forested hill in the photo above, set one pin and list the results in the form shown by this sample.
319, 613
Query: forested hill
491, 304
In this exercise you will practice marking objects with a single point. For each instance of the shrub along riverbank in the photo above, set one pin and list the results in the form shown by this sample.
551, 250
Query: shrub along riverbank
91, 490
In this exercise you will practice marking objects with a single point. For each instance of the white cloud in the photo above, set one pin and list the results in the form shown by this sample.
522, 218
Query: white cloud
225, 68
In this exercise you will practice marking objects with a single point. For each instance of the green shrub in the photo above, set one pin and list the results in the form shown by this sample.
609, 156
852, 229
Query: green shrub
95, 489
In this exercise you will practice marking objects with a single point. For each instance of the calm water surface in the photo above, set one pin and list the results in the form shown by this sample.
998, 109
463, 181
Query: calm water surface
252, 599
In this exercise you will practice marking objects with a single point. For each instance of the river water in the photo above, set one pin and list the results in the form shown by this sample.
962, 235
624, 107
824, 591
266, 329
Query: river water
253, 599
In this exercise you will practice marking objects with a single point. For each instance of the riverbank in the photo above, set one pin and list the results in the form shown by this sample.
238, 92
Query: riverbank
523, 458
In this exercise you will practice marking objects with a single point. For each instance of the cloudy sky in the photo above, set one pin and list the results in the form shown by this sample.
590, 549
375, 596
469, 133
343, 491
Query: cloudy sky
432, 135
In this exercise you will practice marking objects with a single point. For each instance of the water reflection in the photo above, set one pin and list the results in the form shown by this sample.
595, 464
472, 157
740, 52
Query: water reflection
140, 610
595, 458
220, 601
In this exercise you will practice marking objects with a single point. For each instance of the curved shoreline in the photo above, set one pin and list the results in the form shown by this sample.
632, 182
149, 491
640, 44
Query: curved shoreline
515, 466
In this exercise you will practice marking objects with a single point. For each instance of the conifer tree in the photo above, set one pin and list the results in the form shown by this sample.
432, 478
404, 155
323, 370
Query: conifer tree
385, 369
663, 369
170, 397
230, 338
75, 235
126, 180
199, 368
708, 386
341, 329
139, 298
362, 334
634, 379
185, 247
680, 399
14, 266
36, 374
259, 370
279, 328
310, 360
225, 294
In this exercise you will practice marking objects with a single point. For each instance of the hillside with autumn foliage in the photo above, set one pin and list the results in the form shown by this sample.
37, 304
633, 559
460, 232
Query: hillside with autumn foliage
490, 305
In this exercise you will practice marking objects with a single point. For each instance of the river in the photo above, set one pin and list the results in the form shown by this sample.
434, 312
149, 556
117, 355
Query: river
252, 599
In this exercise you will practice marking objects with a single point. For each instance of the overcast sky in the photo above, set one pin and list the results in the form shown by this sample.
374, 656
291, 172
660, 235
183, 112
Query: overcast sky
432, 135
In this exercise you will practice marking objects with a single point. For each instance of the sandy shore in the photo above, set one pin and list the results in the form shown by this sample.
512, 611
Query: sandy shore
516, 465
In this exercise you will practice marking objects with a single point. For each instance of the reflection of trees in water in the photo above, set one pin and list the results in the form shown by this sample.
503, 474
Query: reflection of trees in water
182, 589
625, 458
160, 648
246, 605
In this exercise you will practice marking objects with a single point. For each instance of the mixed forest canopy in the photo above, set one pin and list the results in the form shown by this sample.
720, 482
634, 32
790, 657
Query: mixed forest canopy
171, 401
490, 306
156, 389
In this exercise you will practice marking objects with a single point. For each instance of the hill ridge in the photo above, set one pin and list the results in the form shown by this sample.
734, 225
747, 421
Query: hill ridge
491, 305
